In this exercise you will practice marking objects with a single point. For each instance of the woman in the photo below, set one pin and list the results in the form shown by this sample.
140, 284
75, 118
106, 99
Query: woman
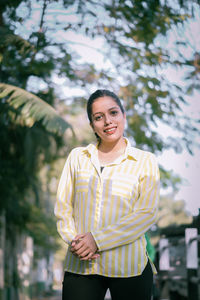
107, 199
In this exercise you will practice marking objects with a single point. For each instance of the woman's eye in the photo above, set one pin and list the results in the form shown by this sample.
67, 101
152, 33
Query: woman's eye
114, 112
97, 118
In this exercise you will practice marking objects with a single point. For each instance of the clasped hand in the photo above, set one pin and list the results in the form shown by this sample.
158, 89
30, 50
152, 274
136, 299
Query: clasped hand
84, 246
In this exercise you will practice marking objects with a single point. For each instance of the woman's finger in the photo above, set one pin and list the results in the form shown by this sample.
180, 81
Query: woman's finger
79, 251
83, 253
78, 237
77, 246
87, 257
91, 256
95, 256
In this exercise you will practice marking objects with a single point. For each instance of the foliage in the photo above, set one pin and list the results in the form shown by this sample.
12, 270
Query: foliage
131, 31
42, 228
23, 151
172, 212
33, 108
133, 34
169, 179
31, 130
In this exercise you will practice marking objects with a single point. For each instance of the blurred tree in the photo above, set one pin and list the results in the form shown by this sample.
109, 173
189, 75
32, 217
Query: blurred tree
172, 212
29, 140
132, 32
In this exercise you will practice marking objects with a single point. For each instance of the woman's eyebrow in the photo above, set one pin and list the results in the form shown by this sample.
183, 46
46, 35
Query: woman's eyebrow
97, 113
114, 107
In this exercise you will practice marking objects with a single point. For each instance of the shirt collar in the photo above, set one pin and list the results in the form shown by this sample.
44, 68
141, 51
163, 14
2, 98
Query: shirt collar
92, 149
130, 151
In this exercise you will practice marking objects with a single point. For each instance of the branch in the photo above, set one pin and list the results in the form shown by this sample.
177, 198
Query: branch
43, 14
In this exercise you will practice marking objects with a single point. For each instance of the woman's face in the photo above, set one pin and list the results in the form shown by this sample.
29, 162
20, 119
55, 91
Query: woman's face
108, 121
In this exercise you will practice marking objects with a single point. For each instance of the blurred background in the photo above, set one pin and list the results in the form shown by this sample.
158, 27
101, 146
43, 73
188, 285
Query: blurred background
53, 54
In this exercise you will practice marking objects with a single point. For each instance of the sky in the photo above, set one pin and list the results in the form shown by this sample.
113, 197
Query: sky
90, 50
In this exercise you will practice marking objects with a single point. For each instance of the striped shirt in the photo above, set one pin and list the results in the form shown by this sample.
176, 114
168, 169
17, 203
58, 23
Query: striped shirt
117, 205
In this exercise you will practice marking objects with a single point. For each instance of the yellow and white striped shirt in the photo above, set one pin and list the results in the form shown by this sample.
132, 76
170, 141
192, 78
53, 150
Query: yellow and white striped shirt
117, 205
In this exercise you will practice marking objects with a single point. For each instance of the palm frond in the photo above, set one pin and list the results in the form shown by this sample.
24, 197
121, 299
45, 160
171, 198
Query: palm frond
9, 38
33, 107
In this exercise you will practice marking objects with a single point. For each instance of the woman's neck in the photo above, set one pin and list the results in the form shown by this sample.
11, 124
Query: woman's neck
112, 147
109, 152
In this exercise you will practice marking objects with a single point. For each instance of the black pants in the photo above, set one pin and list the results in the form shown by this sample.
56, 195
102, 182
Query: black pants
94, 287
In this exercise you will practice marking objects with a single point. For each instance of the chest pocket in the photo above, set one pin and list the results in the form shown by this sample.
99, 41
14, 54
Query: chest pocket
82, 181
125, 185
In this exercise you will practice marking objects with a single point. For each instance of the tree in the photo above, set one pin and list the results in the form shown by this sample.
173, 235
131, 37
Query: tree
31, 109
131, 32
29, 139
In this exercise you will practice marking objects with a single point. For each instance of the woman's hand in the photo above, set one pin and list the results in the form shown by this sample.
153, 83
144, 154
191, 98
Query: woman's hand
84, 246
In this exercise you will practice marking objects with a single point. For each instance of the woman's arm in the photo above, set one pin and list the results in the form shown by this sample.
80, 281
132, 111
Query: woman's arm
135, 224
64, 203
64, 212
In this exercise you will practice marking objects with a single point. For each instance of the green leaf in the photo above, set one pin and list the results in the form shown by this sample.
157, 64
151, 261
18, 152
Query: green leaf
9, 38
33, 107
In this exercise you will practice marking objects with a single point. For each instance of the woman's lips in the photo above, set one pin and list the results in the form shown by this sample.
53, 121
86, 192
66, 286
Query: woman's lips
110, 130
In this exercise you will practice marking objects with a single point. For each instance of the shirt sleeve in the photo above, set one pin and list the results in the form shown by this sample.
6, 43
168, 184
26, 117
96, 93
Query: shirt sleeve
134, 225
64, 202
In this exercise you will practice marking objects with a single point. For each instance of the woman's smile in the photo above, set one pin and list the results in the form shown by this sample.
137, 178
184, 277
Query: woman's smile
110, 130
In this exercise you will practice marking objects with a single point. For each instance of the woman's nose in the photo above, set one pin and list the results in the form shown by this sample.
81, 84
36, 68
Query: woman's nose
107, 120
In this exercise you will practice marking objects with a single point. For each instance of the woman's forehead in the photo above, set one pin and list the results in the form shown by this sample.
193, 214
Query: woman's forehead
104, 103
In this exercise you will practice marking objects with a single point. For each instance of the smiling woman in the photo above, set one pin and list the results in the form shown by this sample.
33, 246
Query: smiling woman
107, 199
108, 121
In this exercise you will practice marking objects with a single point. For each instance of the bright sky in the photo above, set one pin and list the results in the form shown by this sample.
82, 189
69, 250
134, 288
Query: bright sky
185, 165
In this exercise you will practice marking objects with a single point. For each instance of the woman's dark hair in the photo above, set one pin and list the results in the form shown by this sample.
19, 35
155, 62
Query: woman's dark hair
99, 94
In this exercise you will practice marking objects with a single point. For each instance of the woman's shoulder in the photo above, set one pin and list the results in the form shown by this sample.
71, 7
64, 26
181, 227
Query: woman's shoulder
140, 154
81, 150
77, 151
